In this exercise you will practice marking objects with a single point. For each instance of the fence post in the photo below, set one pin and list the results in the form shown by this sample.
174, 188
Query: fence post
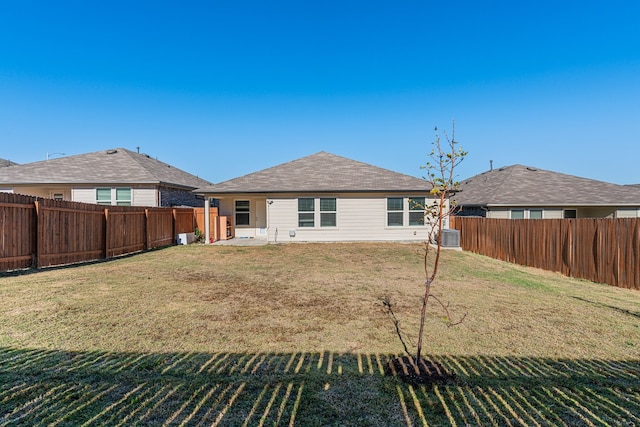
35, 262
105, 249
174, 213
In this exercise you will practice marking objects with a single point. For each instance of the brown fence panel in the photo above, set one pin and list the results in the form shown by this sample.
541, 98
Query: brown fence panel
159, 227
184, 220
213, 230
69, 232
17, 231
600, 250
126, 230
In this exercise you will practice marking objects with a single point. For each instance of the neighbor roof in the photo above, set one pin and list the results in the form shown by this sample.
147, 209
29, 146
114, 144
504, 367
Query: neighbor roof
5, 163
320, 172
116, 166
526, 185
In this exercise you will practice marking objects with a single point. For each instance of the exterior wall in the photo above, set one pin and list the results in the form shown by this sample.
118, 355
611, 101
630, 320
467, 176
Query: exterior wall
358, 218
139, 196
628, 213
44, 192
558, 212
502, 213
176, 197
596, 212
257, 227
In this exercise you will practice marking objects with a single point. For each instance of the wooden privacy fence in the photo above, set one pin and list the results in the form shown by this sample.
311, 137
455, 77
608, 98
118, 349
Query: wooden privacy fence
44, 232
597, 249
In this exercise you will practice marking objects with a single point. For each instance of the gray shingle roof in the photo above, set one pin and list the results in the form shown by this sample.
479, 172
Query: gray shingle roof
117, 166
525, 185
320, 172
5, 163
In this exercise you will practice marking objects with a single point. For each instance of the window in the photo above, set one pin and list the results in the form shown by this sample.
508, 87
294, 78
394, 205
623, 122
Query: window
395, 211
123, 196
517, 213
306, 212
103, 196
535, 214
328, 213
243, 212
416, 210
58, 196
570, 213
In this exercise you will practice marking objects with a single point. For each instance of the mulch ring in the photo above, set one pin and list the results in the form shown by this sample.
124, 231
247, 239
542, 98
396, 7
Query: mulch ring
424, 372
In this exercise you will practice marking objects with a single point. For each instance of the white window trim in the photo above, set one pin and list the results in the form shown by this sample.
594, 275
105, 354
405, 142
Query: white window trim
405, 212
317, 214
235, 212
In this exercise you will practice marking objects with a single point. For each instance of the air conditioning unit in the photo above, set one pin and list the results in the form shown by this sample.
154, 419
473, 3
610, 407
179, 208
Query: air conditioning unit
450, 238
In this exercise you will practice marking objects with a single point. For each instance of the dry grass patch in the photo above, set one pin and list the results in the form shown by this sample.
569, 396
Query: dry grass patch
296, 335
310, 297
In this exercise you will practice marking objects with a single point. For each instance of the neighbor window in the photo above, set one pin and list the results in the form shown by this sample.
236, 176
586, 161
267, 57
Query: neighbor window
416, 211
58, 196
570, 213
395, 211
103, 196
123, 196
328, 212
306, 212
517, 213
243, 212
535, 214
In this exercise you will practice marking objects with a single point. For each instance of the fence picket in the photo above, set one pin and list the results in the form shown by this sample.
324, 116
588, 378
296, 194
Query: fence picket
597, 249
43, 232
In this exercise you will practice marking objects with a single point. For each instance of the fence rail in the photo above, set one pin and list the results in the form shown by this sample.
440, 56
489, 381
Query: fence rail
43, 232
601, 250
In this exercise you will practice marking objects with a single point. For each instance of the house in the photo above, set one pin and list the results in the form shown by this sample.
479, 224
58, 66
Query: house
109, 177
525, 192
323, 197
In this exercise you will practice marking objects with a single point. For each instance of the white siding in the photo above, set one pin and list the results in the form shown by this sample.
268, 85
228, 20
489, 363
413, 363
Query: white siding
359, 218
144, 197
628, 213
139, 196
552, 214
84, 195
498, 213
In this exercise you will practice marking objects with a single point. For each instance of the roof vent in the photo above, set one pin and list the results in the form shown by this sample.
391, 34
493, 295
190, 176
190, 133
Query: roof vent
531, 169
112, 151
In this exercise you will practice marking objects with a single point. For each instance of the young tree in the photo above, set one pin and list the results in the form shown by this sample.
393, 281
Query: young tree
440, 179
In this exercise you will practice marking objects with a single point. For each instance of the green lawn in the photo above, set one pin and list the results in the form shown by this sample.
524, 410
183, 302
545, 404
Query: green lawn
297, 335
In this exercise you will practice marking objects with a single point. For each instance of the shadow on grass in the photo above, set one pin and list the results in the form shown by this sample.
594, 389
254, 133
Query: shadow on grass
44, 387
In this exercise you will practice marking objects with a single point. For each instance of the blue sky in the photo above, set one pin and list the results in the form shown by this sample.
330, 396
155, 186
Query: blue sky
221, 89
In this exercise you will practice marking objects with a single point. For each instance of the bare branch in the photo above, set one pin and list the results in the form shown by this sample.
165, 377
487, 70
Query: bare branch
445, 308
388, 305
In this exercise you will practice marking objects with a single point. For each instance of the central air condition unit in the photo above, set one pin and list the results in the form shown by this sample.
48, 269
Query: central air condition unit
450, 239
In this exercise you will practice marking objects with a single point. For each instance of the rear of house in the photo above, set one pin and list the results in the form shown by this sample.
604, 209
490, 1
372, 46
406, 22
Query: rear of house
324, 198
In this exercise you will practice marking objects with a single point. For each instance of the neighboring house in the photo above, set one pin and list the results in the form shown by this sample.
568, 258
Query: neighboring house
5, 163
110, 177
323, 197
524, 192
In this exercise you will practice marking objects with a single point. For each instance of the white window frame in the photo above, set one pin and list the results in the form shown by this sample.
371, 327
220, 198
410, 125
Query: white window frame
511, 211
408, 207
123, 201
537, 210
328, 213
242, 212
317, 214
